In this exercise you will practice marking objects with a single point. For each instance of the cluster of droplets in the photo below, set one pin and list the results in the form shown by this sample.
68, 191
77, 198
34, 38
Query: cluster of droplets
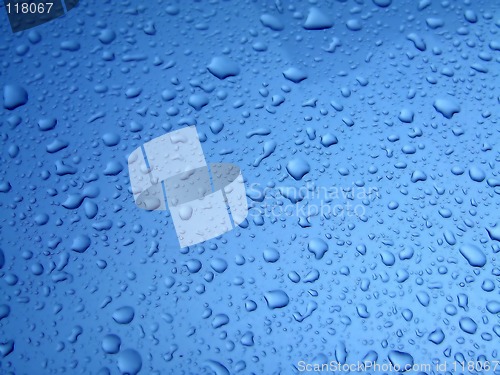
368, 136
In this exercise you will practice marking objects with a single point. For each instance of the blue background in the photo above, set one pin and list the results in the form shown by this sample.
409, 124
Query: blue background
411, 270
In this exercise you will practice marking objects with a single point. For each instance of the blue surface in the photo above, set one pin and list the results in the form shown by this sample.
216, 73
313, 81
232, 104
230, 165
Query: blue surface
368, 135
